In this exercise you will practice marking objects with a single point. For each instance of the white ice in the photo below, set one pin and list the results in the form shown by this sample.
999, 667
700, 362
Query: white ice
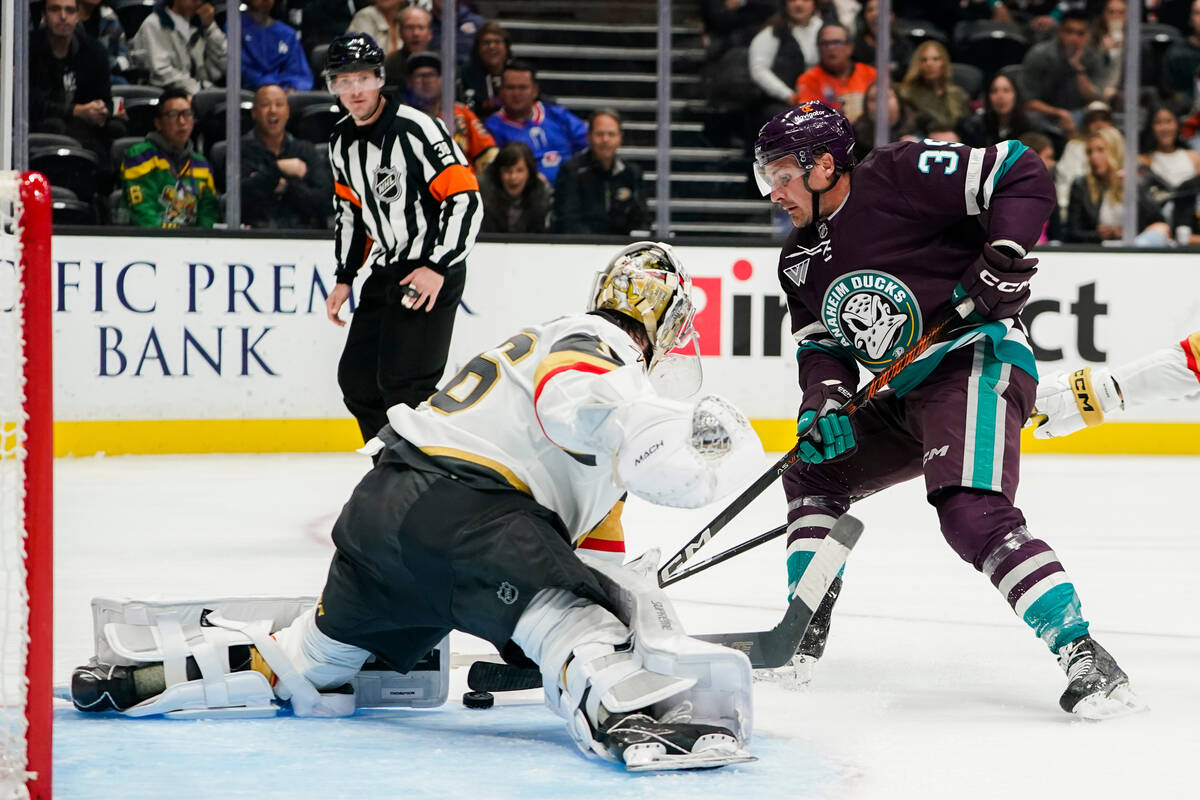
930, 688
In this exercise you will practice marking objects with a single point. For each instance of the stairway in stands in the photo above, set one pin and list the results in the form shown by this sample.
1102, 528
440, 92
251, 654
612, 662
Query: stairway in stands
602, 53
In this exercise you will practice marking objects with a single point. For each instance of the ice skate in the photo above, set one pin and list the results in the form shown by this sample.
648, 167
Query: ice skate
645, 744
1096, 687
798, 672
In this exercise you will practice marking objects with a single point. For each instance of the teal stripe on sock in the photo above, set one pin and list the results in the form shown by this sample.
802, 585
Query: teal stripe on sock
1056, 617
797, 563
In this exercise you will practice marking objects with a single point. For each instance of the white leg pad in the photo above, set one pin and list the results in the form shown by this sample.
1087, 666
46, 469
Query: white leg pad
311, 661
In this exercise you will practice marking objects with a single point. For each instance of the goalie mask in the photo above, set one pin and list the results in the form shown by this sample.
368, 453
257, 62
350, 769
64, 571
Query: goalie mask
647, 282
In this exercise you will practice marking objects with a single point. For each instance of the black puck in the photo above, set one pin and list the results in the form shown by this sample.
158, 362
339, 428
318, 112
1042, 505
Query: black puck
479, 699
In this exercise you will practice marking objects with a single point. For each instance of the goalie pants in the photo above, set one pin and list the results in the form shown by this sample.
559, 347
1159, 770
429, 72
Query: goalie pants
961, 429
393, 354
421, 552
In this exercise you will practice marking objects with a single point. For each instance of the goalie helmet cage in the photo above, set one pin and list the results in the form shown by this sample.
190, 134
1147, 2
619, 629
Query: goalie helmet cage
26, 475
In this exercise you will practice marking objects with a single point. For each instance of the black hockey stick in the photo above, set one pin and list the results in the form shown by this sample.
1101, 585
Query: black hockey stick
765, 649
773, 648
725, 555
860, 399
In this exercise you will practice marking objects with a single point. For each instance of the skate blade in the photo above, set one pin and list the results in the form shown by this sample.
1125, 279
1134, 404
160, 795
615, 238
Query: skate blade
794, 676
1119, 702
706, 759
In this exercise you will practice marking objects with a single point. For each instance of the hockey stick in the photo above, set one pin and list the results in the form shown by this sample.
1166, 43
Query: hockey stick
773, 648
860, 399
725, 555
765, 649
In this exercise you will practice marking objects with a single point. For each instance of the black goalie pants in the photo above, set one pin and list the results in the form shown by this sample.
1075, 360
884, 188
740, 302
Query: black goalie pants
420, 553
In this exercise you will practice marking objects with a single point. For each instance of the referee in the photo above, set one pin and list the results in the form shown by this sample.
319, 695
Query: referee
407, 205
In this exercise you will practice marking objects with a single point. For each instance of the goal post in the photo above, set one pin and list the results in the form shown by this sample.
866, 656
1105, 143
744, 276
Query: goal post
26, 485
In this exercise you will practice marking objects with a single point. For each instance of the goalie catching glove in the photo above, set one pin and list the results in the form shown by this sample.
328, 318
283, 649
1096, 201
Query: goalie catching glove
686, 457
1067, 403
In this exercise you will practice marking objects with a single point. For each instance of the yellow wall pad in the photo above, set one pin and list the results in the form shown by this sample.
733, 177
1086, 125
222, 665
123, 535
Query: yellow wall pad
147, 437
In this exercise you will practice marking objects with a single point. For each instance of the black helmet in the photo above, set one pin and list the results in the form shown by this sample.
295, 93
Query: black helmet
353, 52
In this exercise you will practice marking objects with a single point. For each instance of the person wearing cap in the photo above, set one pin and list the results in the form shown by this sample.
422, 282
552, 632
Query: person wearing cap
407, 206
1063, 75
271, 51
424, 72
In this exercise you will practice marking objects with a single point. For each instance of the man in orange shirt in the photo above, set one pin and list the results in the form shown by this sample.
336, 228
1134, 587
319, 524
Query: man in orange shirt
425, 92
837, 80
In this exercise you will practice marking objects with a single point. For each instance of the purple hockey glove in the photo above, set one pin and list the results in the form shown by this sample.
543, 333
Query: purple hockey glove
998, 282
825, 434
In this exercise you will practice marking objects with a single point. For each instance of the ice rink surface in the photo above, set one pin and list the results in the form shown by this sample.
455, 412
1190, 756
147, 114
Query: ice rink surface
930, 687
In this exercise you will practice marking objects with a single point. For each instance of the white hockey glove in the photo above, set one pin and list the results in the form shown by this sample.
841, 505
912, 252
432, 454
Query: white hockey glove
687, 458
1067, 403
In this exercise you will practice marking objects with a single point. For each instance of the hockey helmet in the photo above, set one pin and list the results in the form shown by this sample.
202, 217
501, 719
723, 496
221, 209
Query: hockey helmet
803, 132
353, 52
647, 282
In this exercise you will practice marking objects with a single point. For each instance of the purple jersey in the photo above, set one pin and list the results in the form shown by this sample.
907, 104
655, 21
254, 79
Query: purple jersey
861, 285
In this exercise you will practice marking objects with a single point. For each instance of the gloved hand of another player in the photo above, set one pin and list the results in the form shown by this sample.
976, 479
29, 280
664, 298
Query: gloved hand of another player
998, 282
1067, 403
825, 433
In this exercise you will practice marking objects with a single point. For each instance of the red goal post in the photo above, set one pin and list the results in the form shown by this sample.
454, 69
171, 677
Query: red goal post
26, 484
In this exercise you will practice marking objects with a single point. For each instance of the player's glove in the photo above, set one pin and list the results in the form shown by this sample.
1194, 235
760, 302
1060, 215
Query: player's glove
998, 282
1067, 403
825, 433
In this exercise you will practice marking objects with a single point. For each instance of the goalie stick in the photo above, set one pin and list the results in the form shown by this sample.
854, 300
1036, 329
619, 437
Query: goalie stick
860, 399
765, 649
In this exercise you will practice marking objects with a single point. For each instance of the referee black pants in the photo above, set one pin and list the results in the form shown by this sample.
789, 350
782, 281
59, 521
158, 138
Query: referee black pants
394, 354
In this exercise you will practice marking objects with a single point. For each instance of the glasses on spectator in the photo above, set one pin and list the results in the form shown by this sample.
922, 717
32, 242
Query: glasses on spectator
833, 43
173, 116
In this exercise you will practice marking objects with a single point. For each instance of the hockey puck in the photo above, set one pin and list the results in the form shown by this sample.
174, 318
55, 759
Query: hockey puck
479, 699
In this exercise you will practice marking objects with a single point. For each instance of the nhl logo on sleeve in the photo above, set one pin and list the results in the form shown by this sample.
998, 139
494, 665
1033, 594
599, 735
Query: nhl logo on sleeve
385, 182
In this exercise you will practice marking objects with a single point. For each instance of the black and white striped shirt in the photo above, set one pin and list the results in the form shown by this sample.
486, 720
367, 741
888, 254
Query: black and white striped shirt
403, 194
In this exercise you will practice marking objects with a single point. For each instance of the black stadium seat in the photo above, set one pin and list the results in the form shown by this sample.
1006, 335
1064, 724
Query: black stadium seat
40, 140
120, 147
969, 77
75, 168
141, 103
132, 13
216, 159
315, 123
317, 61
993, 45
69, 211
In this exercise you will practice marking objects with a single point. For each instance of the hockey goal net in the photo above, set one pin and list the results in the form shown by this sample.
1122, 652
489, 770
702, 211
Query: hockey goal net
26, 468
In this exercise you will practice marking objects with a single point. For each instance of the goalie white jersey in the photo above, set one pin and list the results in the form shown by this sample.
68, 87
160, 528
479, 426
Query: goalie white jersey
546, 410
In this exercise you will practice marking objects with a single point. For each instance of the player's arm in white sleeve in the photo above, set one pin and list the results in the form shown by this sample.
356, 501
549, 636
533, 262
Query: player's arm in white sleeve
664, 451
1069, 402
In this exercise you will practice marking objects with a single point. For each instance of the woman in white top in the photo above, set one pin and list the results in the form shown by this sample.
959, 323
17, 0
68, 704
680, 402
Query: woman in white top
784, 48
1172, 164
380, 21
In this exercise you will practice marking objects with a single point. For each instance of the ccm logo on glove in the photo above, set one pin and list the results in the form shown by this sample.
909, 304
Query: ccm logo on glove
1000, 284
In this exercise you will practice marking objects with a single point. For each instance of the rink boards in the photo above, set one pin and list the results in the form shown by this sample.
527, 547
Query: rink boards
188, 344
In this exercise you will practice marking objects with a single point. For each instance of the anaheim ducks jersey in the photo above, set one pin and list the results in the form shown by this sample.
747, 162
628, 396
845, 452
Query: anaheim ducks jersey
542, 411
863, 284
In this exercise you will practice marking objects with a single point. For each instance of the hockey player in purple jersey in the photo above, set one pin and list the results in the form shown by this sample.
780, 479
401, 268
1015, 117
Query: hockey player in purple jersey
879, 252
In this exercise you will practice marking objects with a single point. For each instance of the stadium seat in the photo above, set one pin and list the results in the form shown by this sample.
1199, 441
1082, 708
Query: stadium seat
74, 168
118, 211
40, 140
121, 146
216, 160
141, 102
209, 105
132, 13
1016, 74
300, 102
992, 46
70, 211
917, 31
1156, 38
969, 77
315, 123
317, 60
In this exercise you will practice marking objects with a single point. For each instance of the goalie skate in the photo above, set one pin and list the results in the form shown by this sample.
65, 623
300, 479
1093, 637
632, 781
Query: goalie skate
645, 744
1096, 687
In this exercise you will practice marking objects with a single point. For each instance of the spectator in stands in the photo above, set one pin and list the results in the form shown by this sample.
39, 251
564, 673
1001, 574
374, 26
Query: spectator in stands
516, 197
867, 36
416, 36
1109, 34
552, 133
733, 23
181, 46
900, 124
841, 11
322, 20
69, 90
271, 51
1181, 62
380, 21
1040, 16
1173, 168
466, 21
425, 92
166, 183
837, 80
479, 85
782, 50
1041, 144
1096, 212
1073, 162
1062, 75
101, 23
929, 90
285, 184
1002, 116
597, 192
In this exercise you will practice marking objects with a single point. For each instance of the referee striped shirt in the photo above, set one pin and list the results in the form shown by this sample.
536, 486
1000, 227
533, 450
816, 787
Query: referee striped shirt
404, 195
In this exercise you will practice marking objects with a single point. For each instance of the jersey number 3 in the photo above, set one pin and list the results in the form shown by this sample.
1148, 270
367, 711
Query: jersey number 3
479, 375
948, 159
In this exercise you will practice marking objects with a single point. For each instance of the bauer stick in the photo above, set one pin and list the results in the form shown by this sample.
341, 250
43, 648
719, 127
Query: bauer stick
860, 399
765, 649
